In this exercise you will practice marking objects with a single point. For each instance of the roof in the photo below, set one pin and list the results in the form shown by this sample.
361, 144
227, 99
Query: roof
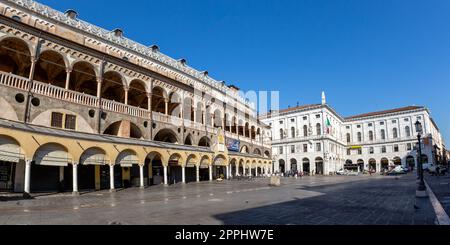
302, 107
377, 113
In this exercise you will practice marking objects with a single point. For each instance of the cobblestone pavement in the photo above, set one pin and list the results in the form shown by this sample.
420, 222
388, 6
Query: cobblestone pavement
441, 188
311, 200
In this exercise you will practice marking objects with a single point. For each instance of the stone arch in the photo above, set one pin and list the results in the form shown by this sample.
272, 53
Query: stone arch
166, 135
293, 163
113, 86
192, 159
257, 151
245, 149
204, 142
174, 106
188, 140
82, 125
94, 156
159, 96
397, 161
83, 78
52, 154
281, 166
127, 158
137, 94
319, 166
188, 109
267, 153
176, 159
51, 68
10, 149
306, 165
7, 111
15, 56
205, 160
124, 129
217, 118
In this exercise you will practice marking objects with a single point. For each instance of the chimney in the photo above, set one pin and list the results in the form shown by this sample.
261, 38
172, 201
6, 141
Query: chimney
71, 14
118, 32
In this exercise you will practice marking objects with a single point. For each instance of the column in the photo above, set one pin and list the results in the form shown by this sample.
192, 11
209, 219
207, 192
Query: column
210, 173
68, 72
227, 169
256, 172
197, 173
32, 68
99, 87
75, 179
149, 101
183, 174
141, 175
195, 113
166, 102
243, 170
203, 118
125, 89
165, 175
26, 191
111, 178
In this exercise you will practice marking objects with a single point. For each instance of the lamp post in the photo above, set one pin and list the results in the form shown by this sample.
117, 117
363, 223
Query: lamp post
421, 188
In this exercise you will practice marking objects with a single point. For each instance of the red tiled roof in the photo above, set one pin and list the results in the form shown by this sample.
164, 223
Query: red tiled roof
377, 113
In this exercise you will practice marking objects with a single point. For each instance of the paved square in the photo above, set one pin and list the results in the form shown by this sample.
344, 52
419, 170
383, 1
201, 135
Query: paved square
310, 200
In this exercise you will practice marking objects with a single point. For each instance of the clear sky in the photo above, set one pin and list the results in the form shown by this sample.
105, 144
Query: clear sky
367, 55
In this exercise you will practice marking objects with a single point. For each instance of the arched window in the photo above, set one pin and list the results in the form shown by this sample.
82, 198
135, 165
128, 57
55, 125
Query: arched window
292, 132
281, 134
371, 135
305, 131
407, 131
383, 134
319, 129
359, 137
349, 139
395, 133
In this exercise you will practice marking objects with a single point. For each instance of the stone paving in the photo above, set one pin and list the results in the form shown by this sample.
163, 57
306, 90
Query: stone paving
310, 200
440, 185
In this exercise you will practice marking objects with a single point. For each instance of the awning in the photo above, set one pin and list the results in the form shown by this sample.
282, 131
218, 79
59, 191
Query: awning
52, 155
204, 166
9, 151
127, 159
94, 159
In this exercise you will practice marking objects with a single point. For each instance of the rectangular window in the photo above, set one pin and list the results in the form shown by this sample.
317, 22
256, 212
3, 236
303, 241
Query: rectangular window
292, 120
349, 152
406, 119
280, 150
371, 150
370, 124
360, 151
57, 120
348, 127
70, 122
305, 148
383, 149
381, 123
318, 116
318, 147
281, 122
292, 148
396, 149
409, 147
394, 121
305, 118
358, 126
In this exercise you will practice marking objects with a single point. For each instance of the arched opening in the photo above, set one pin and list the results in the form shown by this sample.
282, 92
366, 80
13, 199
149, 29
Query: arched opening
166, 135
190, 169
174, 172
350, 166
247, 130
199, 113
253, 132
241, 127
204, 142
91, 161
50, 169
158, 100
153, 170
219, 167
241, 167
373, 165
244, 149
15, 57
205, 162
384, 164
257, 151
267, 154
10, 156
137, 94
174, 105
227, 121
188, 140
281, 166
294, 168
411, 162
306, 166
188, 109
113, 87
126, 170
217, 119
360, 163
397, 161
51, 69
124, 129
83, 78
319, 166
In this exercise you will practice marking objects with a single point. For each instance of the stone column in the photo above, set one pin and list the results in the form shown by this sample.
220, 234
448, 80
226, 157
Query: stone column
165, 175
111, 178
99, 87
68, 72
149, 101
194, 109
166, 103
210, 173
227, 169
26, 191
183, 174
197, 173
125, 89
141, 175
75, 179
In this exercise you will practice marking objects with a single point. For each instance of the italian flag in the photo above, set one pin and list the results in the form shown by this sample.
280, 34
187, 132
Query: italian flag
328, 124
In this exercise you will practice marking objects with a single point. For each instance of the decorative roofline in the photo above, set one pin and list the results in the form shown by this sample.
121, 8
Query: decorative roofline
147, 52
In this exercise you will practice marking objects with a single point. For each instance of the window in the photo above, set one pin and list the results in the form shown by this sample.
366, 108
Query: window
419, 118
305, 148
348, 127
371, 135
292, 148
395, 133
292, 119
305, 118
360, 151
408, 131
358, 126
383, 134
370, 124
305, 131
292, 132
319, 129
349, 138
349, 152
281, 134
371, 150
409, 147
318, 116
280, 150
318, 147
396, 149
57, 120
406, 119
70, 122
394, 121
383, 149
281, 122
381, 123
359, 136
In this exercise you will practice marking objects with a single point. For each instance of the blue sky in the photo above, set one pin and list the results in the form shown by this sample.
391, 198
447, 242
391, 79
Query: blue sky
367, 55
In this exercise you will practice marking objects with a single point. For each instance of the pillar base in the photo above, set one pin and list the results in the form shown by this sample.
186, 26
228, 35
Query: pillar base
112, 190
141, 187
75, 193
421, 194
27, 195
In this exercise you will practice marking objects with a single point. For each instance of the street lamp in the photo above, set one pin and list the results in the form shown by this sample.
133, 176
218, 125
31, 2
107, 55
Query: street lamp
421, 188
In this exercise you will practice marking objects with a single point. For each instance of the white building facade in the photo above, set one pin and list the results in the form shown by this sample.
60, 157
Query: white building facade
315, 139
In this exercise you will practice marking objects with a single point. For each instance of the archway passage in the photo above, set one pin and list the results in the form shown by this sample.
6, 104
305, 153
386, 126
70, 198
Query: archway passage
306, 166
204, 142
281, 166
166, 135
350, 166
113, 87
83, 78
319, 166
372, 165
158, 100
174, 170
10, 157
90, 164
410, 162
153, 170
174, 105
241, 168
384, 164
360, 163
294, 165
397, 161
15, 57
137, 94
51, 69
